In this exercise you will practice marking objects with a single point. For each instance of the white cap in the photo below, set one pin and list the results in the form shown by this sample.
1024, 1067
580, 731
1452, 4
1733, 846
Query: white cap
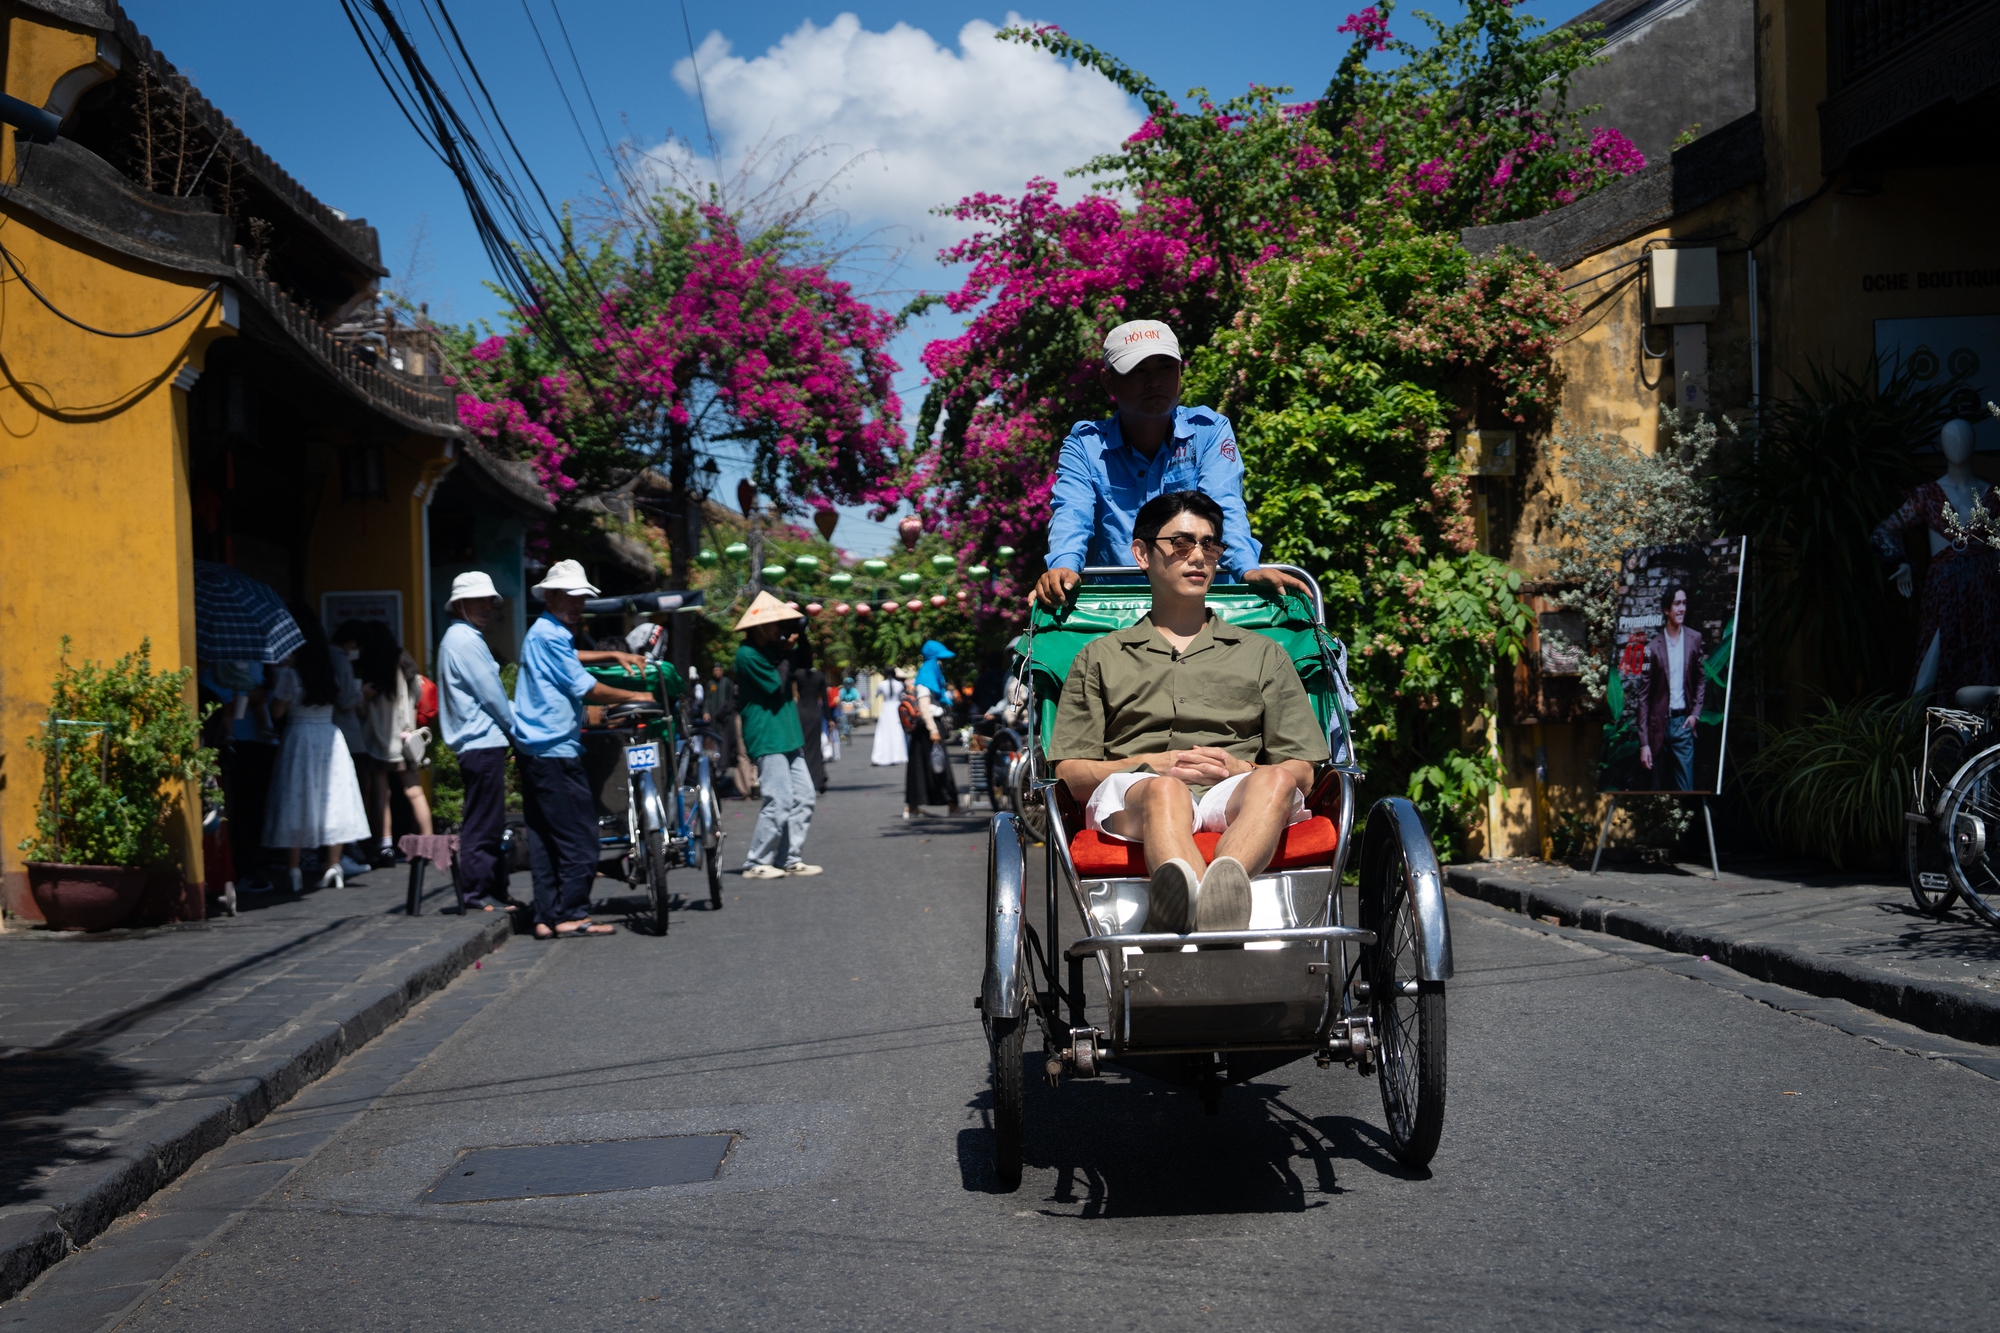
1129, 344
471, 586
566, 576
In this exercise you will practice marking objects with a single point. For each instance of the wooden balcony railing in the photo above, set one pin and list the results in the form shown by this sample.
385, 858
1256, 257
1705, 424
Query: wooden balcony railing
1864, 33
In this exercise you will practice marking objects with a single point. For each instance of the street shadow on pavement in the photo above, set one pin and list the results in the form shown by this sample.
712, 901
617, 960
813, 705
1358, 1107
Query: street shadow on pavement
1132, 1146
53, 1099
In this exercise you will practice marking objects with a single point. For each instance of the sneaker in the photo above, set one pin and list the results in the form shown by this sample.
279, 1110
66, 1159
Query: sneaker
801, 868
1171, 890
351, 867
762, 872
1224, 900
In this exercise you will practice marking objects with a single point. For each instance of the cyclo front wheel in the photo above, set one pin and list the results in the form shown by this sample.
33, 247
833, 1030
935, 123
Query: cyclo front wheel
1408, 1014
656, 877
1009, 1102
1970, 825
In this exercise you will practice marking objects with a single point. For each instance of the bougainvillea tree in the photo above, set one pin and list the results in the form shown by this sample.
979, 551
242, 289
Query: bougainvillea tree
1331, 226
680, 336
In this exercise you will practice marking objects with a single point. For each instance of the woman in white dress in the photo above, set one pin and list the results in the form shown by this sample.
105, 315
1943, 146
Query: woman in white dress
315, 799
891, 747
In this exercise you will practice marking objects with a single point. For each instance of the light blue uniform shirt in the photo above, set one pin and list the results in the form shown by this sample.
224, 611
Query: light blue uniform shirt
548, 694
472, 705
1101, 482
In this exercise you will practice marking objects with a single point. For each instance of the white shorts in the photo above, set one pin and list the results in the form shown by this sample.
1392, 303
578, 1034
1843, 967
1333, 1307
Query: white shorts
1211, 812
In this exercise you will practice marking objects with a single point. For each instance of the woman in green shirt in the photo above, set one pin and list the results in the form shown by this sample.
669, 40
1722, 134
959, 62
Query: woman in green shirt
769, 712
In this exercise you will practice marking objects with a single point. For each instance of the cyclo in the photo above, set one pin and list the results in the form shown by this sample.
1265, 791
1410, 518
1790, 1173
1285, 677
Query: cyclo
651, 775
1369, 995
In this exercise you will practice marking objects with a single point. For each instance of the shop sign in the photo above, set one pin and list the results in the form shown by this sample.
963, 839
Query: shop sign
385, 606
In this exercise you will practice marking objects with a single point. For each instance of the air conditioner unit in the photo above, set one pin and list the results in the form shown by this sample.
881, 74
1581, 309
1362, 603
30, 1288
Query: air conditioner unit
1686, 288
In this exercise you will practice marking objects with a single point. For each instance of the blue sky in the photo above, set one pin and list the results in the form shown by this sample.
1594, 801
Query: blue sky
926, 108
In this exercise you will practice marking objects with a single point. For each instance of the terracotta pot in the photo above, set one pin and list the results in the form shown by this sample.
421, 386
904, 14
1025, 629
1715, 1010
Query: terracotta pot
85, 897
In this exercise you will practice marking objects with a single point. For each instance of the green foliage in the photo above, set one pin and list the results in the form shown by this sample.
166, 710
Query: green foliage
110, 792
1836, 785
1343, 375
1835, 460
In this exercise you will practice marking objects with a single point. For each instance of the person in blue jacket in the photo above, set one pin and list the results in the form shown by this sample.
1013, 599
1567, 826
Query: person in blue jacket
1151, 445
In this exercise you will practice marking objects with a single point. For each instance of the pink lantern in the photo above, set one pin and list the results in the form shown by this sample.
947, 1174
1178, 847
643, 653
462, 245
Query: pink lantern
937, 599
814, 608
961, 594
842, 608
793, 605
862, 608
888, 607
911, 530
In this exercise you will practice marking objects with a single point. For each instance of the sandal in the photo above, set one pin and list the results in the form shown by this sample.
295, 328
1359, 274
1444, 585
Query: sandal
585, 928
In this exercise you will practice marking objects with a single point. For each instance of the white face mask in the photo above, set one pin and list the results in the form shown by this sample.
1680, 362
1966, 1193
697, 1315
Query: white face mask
353, 654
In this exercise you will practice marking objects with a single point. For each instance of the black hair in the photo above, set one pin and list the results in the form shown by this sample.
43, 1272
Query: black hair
1157, 512
1667, 598
314, 662
381, 658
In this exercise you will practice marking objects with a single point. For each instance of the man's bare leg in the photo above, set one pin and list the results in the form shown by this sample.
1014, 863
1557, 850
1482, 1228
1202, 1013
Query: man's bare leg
1159, 813
1258, 811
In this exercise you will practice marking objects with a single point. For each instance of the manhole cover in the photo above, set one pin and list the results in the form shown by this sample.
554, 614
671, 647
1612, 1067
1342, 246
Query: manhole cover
545, 1170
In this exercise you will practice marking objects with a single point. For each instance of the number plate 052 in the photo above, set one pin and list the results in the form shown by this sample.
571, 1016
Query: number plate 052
639, 758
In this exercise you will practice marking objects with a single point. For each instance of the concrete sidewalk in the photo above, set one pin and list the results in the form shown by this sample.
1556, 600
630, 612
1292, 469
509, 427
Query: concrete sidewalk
1854, 937
126, 1055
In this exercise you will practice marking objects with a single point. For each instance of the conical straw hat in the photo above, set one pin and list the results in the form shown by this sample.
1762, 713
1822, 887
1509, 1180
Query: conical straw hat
767, 610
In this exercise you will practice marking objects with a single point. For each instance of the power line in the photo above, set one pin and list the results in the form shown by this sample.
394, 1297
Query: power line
701, 94
581, 78
199, 301
561, 90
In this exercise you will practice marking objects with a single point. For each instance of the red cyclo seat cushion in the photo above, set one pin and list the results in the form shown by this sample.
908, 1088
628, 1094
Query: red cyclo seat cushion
1306, 846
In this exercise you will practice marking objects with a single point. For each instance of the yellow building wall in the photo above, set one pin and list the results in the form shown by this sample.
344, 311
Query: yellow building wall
372, 545
1815, 309
95, 529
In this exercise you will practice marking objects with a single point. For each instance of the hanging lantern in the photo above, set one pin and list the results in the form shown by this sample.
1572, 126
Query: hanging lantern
841, 608
1005, 553
806, 564
944, 564
961, 594
746, 496
911, 530
826, 520
840, 580
978, 571
876, 567
736, 550
814, 608
910, 579
888, 607
938, 599
707, 559
862, 608
772, 573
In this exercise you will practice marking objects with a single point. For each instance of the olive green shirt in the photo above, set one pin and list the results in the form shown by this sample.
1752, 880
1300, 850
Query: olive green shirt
764, 702
1129, 693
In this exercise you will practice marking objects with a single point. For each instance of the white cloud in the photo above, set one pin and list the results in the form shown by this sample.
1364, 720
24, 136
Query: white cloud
935, 124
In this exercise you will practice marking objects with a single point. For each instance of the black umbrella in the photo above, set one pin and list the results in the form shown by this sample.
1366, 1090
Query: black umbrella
238, 619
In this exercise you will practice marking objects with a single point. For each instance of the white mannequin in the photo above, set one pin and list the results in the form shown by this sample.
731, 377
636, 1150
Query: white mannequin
1959, 486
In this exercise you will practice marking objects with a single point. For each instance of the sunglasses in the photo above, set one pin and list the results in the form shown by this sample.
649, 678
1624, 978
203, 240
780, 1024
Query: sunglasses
1183, 544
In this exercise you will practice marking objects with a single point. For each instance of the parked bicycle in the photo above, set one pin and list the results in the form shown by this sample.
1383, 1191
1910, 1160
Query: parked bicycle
1955, 813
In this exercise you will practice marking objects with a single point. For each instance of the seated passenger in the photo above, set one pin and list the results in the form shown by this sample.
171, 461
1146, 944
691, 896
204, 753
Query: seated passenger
1184, 724
1149, 446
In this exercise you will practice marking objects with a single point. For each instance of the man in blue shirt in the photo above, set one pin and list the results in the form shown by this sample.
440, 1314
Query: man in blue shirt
477, 721
1150, 446
556, 802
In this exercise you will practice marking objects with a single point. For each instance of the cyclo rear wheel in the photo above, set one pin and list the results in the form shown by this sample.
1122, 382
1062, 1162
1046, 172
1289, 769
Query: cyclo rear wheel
1925, 853
1009, 1101
1408, 1013
656, 877
711, 837
1970, 825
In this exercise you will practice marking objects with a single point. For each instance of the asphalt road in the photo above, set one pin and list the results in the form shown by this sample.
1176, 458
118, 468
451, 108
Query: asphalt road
1624, 1147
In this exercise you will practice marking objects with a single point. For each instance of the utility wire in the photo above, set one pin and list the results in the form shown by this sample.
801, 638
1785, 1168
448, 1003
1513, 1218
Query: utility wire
581, 78
199, 301
562, 91
701, 94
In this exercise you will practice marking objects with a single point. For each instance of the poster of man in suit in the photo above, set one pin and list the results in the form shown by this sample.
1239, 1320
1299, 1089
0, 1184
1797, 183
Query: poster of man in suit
1674, 654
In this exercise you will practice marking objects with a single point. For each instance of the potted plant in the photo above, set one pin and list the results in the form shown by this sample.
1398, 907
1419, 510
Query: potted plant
118, 750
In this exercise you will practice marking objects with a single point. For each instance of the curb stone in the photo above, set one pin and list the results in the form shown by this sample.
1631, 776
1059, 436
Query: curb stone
153, 1148
1944, 1007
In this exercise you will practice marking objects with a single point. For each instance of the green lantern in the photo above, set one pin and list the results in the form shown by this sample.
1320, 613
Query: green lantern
1005, 553
806, 564
910, 580
707, 559
841, 581
944, 564
773, 572
979, 571
736, 550
876, 567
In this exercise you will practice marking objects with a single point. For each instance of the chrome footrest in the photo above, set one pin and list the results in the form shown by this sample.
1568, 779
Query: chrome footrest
1091, 944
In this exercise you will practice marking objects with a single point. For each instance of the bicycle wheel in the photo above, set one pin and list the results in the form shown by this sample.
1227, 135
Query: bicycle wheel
1925, 855
656, 877
1970, 821
1009, 1102
1409, 1019
711, 837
